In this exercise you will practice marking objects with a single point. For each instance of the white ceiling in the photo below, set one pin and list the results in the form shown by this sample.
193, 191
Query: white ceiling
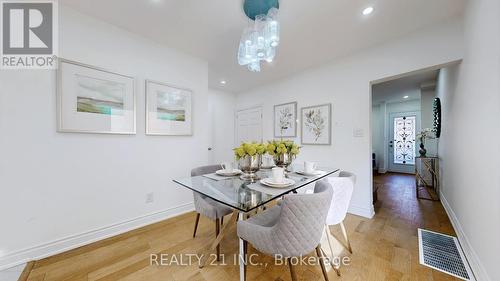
312, 32
410, 85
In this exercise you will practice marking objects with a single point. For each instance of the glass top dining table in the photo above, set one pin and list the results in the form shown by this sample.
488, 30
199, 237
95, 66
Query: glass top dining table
246, 196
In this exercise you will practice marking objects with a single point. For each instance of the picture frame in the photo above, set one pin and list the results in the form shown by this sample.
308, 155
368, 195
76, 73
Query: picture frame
91, 99
316, 124
168, 109
285, 120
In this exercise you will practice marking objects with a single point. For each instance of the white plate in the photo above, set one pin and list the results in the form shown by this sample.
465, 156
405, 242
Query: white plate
314, 173
267, 167
228, 174
269, 182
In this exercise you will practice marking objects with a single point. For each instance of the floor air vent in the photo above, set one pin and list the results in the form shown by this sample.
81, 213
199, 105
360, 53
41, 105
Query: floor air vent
443, 253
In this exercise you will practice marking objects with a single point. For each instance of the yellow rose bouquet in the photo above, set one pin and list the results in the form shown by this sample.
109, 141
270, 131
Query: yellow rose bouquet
283, 151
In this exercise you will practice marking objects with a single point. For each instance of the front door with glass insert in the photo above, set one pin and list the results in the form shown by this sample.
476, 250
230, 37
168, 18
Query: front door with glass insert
402, 131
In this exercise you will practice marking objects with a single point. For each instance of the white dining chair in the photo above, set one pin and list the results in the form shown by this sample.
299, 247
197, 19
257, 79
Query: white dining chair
343, 187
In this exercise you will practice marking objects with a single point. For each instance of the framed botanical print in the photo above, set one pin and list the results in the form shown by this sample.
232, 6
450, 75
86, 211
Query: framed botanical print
285, 120
317, 124
168, 110
94, 100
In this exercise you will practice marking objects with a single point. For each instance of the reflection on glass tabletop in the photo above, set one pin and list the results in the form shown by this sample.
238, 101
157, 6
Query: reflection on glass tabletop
246, 195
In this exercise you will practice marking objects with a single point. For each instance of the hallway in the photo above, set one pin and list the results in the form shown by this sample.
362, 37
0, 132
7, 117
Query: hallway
398, 215
397, 200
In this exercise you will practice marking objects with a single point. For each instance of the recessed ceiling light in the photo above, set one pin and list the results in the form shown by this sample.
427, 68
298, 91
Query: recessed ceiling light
367, 11
223, 82
405, 97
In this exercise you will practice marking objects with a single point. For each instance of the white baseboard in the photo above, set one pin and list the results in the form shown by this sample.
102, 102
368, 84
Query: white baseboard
362, 211
473, 259
78, 240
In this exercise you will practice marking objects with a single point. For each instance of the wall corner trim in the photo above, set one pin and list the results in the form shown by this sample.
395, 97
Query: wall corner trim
74, 241
362, 211
477, 267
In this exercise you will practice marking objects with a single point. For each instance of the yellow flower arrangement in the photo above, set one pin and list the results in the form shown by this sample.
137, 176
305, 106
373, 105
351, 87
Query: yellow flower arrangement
279, 147
250, 149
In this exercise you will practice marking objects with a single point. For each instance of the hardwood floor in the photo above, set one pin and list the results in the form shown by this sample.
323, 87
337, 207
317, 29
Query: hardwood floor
384, 248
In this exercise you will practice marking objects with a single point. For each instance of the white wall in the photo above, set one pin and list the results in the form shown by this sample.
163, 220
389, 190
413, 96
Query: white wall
468, 147
60, 190
222, 111
346, 84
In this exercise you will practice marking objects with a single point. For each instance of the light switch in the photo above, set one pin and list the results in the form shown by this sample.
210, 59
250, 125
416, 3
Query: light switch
358, 133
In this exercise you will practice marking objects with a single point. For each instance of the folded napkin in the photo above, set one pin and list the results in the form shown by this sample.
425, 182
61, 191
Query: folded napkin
216, 177
269, 190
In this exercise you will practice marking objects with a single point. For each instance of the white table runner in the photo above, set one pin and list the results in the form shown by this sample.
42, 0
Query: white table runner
216, 177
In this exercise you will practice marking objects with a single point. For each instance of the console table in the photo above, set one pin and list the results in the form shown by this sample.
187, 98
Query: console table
427, 177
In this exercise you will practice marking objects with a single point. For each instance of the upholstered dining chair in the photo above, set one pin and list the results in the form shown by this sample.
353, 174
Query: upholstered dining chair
343, 186
208, 207
292, 229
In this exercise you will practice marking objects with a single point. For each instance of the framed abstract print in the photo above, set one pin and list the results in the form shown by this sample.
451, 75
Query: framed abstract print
94, 100
168, 110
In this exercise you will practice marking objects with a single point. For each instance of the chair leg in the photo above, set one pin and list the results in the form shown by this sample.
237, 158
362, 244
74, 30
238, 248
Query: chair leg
196, 224
321, 262
217, 234
327, 231
335, 267
221, 221
328, 236
292, 270
344, 232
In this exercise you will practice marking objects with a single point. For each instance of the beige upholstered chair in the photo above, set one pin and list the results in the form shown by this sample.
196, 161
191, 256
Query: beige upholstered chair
292, 229
207, 206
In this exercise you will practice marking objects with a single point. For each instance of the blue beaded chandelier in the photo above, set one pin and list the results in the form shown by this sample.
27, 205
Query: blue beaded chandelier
261, 38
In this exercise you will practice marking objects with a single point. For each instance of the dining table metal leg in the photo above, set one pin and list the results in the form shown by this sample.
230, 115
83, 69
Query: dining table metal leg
217, 231
242, 254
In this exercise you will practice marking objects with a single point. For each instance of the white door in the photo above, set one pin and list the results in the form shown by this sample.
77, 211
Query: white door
249, 125
402, 132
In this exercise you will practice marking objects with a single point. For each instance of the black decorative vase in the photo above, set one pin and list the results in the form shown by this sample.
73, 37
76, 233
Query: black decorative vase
422, 150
